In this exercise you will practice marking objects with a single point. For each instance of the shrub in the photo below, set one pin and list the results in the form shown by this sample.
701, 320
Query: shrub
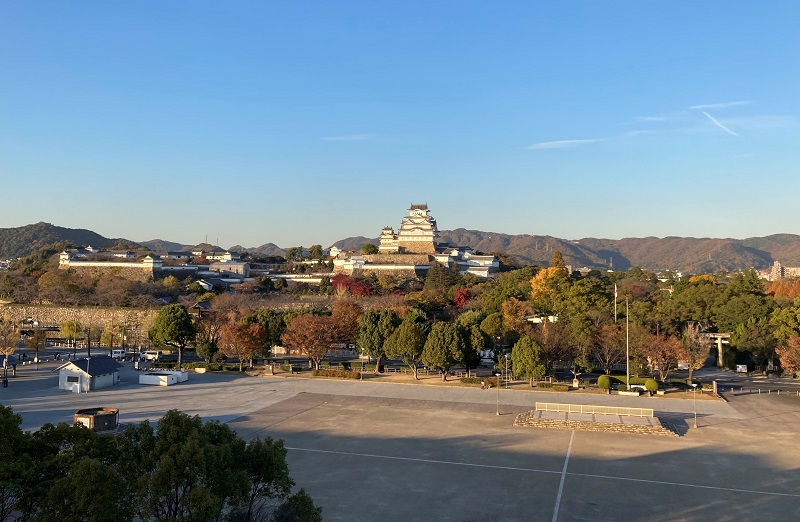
651, 385
553, 386
604, 382
341, 374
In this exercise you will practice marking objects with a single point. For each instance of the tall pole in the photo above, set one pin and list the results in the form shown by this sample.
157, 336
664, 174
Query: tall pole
506, 371
498, 374
627, 347
615, 303
694, 392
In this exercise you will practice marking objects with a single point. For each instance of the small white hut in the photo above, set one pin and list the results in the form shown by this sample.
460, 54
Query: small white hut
91, 373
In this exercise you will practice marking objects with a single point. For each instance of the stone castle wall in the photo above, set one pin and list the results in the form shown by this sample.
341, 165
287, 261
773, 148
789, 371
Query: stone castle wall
127, 272
86, 315
417, 247
398, 259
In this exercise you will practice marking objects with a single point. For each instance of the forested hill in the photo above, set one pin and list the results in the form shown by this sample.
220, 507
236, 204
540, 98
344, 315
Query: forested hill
22, 241
695, 255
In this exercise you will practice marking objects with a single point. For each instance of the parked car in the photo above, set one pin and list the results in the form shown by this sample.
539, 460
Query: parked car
118, 354
151, 355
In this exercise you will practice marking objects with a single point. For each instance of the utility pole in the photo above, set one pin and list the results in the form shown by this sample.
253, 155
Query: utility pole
627, 346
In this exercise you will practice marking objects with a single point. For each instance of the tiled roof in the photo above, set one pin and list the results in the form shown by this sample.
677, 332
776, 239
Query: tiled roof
97, 365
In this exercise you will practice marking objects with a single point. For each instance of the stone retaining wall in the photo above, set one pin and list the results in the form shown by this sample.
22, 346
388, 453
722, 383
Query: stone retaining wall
529, 419
140, 318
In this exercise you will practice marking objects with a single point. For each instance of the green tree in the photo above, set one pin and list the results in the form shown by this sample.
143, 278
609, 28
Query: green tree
374, 328
740, 309
16, 463
493, 325
71, 330
557, 260
369, 249
298, 508
274, 325
187, 471
90, 491
316, 252
439, 279
443, 348
510, 284
756, 336
294, 254
407, 343
173, 326
268, 473
527, 359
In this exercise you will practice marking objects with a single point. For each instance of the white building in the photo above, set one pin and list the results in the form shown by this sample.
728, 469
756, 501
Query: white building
91, 373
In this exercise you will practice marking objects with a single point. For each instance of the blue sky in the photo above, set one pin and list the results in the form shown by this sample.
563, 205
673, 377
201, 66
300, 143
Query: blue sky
306, 122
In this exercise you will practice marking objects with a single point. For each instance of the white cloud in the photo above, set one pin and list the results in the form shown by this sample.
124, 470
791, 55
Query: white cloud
724, 105
718, 124
562, 144
651, 118
350, 137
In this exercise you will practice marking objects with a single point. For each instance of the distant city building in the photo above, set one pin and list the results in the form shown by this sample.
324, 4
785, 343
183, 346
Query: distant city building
231, 268
779, 271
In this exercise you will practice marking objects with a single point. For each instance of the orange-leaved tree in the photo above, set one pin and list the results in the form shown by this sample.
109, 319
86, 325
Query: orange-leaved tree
241, 340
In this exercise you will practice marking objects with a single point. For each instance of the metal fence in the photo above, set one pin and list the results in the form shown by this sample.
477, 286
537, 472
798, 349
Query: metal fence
739, 390
597, 410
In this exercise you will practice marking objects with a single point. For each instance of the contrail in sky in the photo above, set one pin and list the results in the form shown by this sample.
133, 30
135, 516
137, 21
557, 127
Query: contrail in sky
718, 124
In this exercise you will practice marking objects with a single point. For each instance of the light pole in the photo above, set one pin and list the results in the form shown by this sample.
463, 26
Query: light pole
694, 392
627, 347
498, 374
506, 371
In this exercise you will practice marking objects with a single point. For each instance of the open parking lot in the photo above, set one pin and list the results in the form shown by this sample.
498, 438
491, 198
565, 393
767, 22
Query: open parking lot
368, 451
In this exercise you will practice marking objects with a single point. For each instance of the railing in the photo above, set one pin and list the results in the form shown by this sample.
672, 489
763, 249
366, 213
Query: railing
755, 391
597, 410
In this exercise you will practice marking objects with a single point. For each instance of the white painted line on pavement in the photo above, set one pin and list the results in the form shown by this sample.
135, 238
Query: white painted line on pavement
682, 484
533, 470
430, 461
563, 475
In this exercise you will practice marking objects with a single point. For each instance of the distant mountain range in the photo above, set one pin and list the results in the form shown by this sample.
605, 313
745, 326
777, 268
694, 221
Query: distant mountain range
694, 255
21, 241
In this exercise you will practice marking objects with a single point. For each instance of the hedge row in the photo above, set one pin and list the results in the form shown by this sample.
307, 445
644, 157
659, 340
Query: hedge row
212, 367
341, 374
553, 386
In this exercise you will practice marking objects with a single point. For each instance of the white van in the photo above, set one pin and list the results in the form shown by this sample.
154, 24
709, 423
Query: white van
118, 354
151, 355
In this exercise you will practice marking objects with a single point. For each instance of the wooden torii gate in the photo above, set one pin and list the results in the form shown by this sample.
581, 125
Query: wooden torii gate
718, 339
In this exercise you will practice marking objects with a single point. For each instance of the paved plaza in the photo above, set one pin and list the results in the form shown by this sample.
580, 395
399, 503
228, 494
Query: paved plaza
396, 452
